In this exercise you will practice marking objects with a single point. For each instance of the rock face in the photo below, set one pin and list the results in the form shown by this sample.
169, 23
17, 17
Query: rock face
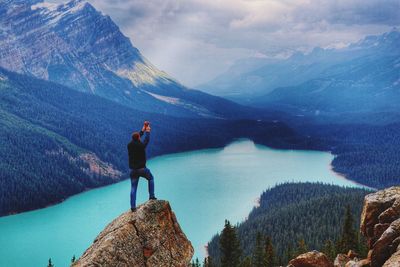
311, 259
341, 260
394, 260
151, 236
72, 44
380, 224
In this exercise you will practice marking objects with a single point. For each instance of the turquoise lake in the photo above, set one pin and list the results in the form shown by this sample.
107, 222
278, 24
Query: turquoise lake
204, 187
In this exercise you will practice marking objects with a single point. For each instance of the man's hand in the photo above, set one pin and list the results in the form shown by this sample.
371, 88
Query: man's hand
145, 126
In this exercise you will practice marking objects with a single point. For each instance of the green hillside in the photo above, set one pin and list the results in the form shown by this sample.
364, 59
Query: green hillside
48, 133
289, 213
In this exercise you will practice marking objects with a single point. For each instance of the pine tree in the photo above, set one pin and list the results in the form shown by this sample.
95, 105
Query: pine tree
348, 239
196, 263
301, 247
289, 253
362, 246
259, 257
246, 262
50, 263
269, 253
280, 261
329, 250
208, 262
229, 246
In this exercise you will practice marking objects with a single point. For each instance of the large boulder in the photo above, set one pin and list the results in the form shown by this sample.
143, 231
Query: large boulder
311, 259
380, 224
356, 263
148, 237
350, 260
380, 209
341, 260
394, 260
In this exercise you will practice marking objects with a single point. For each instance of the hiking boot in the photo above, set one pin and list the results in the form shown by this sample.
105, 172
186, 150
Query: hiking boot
152, 198
133, 209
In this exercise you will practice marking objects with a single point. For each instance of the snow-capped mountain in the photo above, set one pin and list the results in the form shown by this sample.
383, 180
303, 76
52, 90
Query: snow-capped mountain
250, 79
75, 45
366, 81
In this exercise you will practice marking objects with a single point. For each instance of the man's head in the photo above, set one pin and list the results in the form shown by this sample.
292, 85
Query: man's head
136, 136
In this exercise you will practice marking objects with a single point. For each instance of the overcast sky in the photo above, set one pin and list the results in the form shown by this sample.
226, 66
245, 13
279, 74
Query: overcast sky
195, 40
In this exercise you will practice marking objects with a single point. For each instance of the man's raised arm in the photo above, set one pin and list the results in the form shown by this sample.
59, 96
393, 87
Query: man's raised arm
145, 126
146, 137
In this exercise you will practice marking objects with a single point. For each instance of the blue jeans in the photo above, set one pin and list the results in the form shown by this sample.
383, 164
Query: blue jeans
135, 175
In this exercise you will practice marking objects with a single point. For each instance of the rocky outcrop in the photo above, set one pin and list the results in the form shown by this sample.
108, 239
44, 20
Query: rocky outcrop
350, 260
341, 260
311, 259
148, 237
380, 224
394, 260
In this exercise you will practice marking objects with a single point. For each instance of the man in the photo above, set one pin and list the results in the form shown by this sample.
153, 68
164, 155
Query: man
137, 162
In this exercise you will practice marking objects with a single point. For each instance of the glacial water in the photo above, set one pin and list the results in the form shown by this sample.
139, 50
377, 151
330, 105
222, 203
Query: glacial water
204, 187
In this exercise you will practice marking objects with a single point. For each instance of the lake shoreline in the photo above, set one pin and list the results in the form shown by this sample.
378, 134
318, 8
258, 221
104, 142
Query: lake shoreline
332, 168
343, 176
204, 187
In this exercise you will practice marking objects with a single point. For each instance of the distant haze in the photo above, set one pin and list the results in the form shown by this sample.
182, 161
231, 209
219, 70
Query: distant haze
196, 40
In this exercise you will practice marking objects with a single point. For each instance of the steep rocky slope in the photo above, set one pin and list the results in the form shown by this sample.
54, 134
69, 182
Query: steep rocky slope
380, 224
149, 237
78, 46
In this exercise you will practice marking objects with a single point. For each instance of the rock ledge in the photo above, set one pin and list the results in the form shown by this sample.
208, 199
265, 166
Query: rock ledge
149, 237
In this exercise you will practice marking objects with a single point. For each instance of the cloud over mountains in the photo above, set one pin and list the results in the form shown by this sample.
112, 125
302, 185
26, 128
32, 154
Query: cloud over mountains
194, 40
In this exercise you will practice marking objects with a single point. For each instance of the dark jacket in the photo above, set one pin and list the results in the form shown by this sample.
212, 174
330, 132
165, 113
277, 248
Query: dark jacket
137, 152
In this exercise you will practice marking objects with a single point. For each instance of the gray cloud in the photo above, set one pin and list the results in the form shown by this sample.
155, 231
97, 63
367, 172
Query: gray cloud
195, 40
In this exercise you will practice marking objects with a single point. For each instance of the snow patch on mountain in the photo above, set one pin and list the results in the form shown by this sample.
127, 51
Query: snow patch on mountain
200, 110
167, 99
57, 11
45, 5
144, 73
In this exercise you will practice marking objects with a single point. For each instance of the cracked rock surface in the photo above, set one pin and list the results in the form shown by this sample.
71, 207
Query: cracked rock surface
311, 259
149, 237
380, 224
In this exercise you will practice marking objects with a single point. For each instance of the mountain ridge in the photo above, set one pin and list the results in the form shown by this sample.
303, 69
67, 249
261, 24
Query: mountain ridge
258, 77
75, 45
150, 236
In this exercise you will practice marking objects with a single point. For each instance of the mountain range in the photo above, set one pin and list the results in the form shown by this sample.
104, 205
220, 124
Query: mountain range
360, 78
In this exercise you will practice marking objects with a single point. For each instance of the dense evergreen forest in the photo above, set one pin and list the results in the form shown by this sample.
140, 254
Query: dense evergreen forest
367, 153
45, 127
292, 219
